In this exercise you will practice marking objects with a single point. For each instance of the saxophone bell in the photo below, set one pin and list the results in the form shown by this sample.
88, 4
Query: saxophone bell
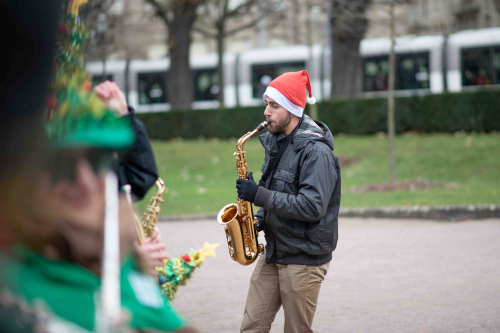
227, 214
241, 234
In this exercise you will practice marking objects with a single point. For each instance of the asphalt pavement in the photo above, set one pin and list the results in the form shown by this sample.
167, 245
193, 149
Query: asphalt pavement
385, 276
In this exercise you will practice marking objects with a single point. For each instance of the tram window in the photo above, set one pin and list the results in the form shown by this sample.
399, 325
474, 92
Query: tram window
412, 71
376, 73
206, 85
262, 75
96, 79
476, 66
152, 88
496, 65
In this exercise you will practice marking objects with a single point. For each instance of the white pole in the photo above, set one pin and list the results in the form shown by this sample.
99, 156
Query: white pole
137, 223
110, 293
128, 193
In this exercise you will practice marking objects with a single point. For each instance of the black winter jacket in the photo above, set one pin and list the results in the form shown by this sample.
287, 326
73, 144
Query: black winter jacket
138, 166
301, 200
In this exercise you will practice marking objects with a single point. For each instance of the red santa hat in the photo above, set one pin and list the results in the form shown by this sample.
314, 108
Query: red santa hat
289, 91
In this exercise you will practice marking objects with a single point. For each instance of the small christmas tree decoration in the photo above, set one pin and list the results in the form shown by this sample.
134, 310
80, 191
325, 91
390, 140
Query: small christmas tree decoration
75, 115
62, 30
87, 85
178, 270
51, 102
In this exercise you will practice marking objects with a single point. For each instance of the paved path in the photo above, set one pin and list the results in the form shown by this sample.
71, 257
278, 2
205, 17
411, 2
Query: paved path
386, 276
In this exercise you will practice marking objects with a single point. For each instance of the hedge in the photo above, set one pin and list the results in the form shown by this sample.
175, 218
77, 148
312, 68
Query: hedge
469, 111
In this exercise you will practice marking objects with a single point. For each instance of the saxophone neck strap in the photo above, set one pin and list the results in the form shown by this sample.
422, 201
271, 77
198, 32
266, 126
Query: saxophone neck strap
276, 158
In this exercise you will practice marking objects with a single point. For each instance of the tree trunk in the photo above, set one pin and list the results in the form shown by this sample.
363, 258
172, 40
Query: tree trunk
391, 127
295, 22
312, 107
348, 28
444, 61
180, 76
347, 67
220, 66
497, 5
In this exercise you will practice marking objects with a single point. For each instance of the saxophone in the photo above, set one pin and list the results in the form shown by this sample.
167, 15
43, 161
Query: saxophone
238, 219
153, 209
146, 226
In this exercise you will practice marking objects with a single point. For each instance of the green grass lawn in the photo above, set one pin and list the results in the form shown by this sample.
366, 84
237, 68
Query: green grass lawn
200, 175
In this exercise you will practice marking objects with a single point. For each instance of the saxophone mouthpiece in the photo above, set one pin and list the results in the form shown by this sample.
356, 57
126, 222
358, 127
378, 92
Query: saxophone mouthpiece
262, 125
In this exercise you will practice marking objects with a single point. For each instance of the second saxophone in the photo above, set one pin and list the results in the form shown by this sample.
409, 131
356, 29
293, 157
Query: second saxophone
238, 219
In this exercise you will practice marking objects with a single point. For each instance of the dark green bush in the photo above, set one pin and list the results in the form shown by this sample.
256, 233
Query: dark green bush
470, 111
225, 123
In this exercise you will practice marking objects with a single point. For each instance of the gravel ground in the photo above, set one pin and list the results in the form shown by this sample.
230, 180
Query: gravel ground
386, 276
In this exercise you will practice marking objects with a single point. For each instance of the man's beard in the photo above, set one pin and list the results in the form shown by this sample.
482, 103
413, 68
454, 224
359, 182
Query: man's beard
279, 126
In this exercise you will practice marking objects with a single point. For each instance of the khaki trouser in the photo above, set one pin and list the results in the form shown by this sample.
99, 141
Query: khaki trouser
296, 287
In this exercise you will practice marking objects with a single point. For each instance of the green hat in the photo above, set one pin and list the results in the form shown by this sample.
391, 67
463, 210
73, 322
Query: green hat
76, 116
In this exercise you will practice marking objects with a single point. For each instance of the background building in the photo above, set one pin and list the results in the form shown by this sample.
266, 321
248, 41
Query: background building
134, 32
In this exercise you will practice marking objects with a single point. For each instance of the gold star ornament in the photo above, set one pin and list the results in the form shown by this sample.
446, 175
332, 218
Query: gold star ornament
75, 5
208, 250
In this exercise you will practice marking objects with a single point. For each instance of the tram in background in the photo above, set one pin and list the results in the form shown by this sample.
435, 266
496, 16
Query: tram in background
418, 65
465, 61
474, 59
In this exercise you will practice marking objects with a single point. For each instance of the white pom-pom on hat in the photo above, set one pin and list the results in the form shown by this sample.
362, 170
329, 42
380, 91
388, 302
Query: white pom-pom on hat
311, 100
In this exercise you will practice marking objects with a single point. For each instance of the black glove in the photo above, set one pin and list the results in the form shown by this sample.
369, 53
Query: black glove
260, 226
247, 189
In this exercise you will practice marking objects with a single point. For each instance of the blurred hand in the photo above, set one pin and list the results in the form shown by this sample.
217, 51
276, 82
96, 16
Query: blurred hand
156, 236
112, 96
150, 253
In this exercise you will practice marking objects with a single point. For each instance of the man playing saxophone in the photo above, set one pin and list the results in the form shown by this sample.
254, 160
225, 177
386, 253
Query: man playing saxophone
299, 196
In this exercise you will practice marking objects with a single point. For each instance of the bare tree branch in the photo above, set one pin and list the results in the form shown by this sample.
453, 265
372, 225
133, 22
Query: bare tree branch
215, 24
243, 27
264, 12
160, 11
238, 11
205, 32
252, 23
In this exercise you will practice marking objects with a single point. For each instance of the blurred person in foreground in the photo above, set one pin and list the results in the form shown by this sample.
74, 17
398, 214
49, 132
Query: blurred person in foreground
28, 52
63, 269
56, 256
299, 196
137, 167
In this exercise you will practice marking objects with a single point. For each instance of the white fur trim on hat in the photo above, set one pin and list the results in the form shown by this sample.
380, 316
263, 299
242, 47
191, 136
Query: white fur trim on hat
281, 99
